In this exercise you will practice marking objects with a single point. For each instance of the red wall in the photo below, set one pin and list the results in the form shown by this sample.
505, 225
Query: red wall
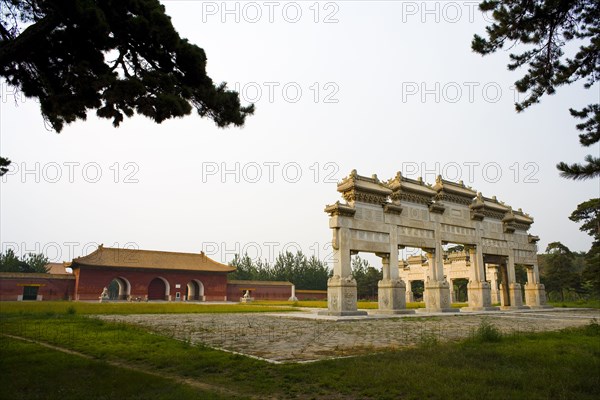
258, 292
311, 294
51, 287
91, 282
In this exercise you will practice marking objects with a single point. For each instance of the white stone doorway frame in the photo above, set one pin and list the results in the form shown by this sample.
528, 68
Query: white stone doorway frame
195, 290
124, 287
383, 217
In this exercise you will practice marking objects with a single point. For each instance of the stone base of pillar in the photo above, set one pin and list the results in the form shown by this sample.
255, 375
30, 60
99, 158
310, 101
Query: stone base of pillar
480, 298
535, 296
391, 293
341, 297
516, 299
293, 298
475, 309
437, 297
495, 294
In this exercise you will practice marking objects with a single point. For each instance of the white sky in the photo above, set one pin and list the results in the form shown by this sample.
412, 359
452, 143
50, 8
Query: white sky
368, 78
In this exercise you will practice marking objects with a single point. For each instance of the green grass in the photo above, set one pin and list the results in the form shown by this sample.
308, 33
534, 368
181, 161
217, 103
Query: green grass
551, 365
90, 308
30, 371
76, 307
591, 303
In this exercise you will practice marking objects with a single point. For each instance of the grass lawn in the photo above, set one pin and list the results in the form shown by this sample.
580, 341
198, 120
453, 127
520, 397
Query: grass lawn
30, 371
592, 303
551, 365
77, 307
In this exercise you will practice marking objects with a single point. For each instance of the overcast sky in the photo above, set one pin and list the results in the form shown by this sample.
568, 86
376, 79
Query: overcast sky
377, 86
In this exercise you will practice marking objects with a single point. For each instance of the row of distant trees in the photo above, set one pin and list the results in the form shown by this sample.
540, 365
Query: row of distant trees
570, 275
9, 262
304, 272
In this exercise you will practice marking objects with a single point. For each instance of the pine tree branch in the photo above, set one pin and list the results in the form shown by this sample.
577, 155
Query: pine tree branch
579, 171
26, 43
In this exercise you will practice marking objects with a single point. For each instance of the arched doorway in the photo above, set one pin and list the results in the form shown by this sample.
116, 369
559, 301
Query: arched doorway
158, 289
195, 291
119, 289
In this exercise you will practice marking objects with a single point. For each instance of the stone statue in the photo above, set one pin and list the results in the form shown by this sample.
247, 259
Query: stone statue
246, 297
103, 295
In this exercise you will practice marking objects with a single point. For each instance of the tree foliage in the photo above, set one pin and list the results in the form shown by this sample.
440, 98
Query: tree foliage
591, 273
560, 275
546, 27
460, 287
31, 263
588, 213
118, 57
4, 162
305, 273
367, 278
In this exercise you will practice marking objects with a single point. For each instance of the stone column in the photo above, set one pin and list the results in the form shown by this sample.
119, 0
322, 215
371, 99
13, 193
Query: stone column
514, 288
493, 274
479, 291
437, 290
503, 288
409, 293
391, 289
452, 292
341, 287
535, 292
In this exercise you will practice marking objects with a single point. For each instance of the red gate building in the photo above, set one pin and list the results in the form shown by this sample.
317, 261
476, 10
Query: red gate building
150, 275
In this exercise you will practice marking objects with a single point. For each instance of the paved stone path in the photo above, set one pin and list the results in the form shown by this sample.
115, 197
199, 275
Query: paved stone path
302, 337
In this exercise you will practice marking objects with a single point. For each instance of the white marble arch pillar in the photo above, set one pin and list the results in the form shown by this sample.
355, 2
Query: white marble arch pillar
535, 292
437, 289
493, 275
479, 291
341, 287
514, 288
410, 297
391, 290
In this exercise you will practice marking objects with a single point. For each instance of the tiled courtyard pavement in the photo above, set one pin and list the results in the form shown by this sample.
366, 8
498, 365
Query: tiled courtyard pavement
296, 337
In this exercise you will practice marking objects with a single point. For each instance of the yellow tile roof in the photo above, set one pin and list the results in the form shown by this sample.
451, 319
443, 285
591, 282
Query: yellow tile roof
152, 259
20, 275
57, 268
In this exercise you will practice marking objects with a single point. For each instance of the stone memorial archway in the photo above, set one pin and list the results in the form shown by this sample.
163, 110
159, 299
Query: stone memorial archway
382, 217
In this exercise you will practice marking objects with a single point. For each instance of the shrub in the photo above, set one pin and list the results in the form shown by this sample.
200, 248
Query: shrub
593, 328
428, 339
487, 332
